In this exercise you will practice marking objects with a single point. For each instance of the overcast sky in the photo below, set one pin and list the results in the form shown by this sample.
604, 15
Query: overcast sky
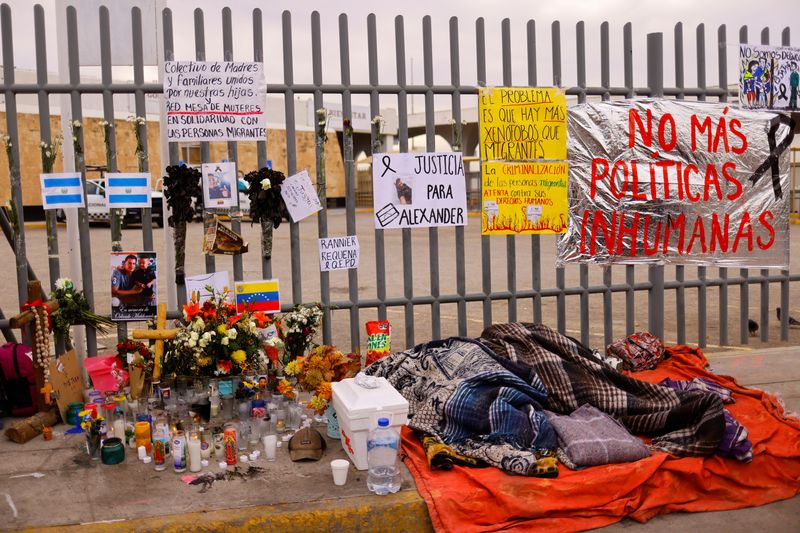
645, 15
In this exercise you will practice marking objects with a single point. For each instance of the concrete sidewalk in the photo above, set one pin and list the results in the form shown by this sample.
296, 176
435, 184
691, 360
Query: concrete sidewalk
52, 484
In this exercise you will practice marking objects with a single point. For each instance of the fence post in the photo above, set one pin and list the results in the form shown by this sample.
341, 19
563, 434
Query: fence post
655, 81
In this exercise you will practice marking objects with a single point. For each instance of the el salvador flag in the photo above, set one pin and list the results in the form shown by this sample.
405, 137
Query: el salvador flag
128, 190
61, 190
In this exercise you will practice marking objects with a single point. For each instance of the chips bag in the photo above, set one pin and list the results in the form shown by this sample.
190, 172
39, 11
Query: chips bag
379, 340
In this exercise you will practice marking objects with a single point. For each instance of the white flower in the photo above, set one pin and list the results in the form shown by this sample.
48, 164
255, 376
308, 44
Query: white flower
198, 324
194, 335
192, 343
43, 144
232, 333
74, 139
377, 119
131, 118
265, 184
47, 153
207, 335
224, 341
141, 121
63, 283
76, 124
203, 342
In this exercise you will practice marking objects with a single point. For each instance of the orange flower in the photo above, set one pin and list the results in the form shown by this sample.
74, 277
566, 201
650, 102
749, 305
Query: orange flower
261, 319
325, 391
191, 310
285, 388
272, 353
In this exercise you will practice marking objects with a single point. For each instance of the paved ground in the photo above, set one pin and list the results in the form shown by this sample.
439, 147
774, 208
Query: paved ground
50, 484
309, 266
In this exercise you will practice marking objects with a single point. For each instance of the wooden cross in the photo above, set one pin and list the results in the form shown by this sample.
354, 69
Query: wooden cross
27, 318
160, 334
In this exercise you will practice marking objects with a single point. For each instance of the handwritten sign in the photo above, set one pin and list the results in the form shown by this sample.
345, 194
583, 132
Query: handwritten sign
769, 76
215, 101
197, 286
419, 190
300, 197
521, 198
338, 253
522, 123
65, 375
671, 181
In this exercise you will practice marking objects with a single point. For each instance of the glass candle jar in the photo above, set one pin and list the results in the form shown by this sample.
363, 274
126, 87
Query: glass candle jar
112, 451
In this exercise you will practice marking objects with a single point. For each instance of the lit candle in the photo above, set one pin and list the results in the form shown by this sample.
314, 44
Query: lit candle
194, 453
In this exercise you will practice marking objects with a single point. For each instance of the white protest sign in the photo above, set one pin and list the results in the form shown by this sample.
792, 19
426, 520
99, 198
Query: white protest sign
219, 281
338, 253
419, 190
300, 197
215, 101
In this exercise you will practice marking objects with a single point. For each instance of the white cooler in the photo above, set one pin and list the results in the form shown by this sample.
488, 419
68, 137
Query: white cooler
358, 410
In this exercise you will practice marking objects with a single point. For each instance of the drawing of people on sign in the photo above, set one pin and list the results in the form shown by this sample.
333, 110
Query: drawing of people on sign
218, 190
794, 82
404, 191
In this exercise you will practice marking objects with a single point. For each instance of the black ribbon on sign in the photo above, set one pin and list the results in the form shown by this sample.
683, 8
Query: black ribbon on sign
783, 95
386, 160
775, 151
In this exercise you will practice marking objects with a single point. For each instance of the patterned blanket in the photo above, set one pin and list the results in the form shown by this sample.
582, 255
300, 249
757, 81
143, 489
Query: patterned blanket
680, 422
483, 407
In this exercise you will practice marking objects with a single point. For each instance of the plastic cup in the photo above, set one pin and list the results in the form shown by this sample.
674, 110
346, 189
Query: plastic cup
270, 445
339, 468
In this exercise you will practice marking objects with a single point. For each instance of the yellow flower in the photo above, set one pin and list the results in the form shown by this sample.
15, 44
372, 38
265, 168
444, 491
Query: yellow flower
285, 388
293, 368
318, 404
239, 357
222, 329
204, 361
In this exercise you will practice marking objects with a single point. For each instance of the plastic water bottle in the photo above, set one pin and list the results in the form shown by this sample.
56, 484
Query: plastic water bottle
384, 473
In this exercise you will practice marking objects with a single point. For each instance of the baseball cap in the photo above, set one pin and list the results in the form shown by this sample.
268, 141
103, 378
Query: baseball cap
306, 444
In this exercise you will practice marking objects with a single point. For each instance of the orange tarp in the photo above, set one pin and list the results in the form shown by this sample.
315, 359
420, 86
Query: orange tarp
487, 499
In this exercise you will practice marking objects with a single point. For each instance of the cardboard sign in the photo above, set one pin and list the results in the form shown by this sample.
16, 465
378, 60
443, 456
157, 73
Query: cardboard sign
215, 101
677, 182
419, 190
769, 77
524, 198
522, 123
65, 377
300, 197
338, 253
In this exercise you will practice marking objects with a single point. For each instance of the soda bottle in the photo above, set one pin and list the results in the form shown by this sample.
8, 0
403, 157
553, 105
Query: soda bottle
383, 444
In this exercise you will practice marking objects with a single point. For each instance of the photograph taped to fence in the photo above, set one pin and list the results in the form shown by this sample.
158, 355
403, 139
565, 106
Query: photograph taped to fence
677, 182
134, 290
769, 76
62, 190
219, 185
419, 190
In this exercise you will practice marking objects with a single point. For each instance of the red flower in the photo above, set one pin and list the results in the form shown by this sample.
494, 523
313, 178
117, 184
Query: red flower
209, 311
261, 319
224, 366
272, 353
191, 310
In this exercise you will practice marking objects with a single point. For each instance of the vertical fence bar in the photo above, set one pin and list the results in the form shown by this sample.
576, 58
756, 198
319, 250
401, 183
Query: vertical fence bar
702, 314
536, 245
561, 303
455, 81
722, 67
764, 320
80, 164
172, 148
141, 111
111, 157
785, 273
233, 146
349, 179
630, 270
486, 245
402, 114
583, 270
655, 81
605, 83
744, 273
12, 130
261, 146
45, 134
205, 150
291, 152
430, 146
680, 270
322, 215
511, 243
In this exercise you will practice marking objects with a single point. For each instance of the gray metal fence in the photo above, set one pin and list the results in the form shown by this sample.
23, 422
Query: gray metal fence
674, 295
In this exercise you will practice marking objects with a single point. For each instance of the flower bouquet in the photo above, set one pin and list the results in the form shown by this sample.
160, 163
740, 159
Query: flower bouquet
316, 371
73, 308
136, 358
216, 340
266, 203
299, 326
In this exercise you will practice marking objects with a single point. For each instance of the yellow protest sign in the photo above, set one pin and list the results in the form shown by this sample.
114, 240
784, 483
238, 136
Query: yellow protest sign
529, 197
522, 123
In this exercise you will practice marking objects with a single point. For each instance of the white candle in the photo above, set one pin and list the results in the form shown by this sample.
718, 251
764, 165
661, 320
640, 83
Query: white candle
193, 447
119, 429
270, 445
142, 451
